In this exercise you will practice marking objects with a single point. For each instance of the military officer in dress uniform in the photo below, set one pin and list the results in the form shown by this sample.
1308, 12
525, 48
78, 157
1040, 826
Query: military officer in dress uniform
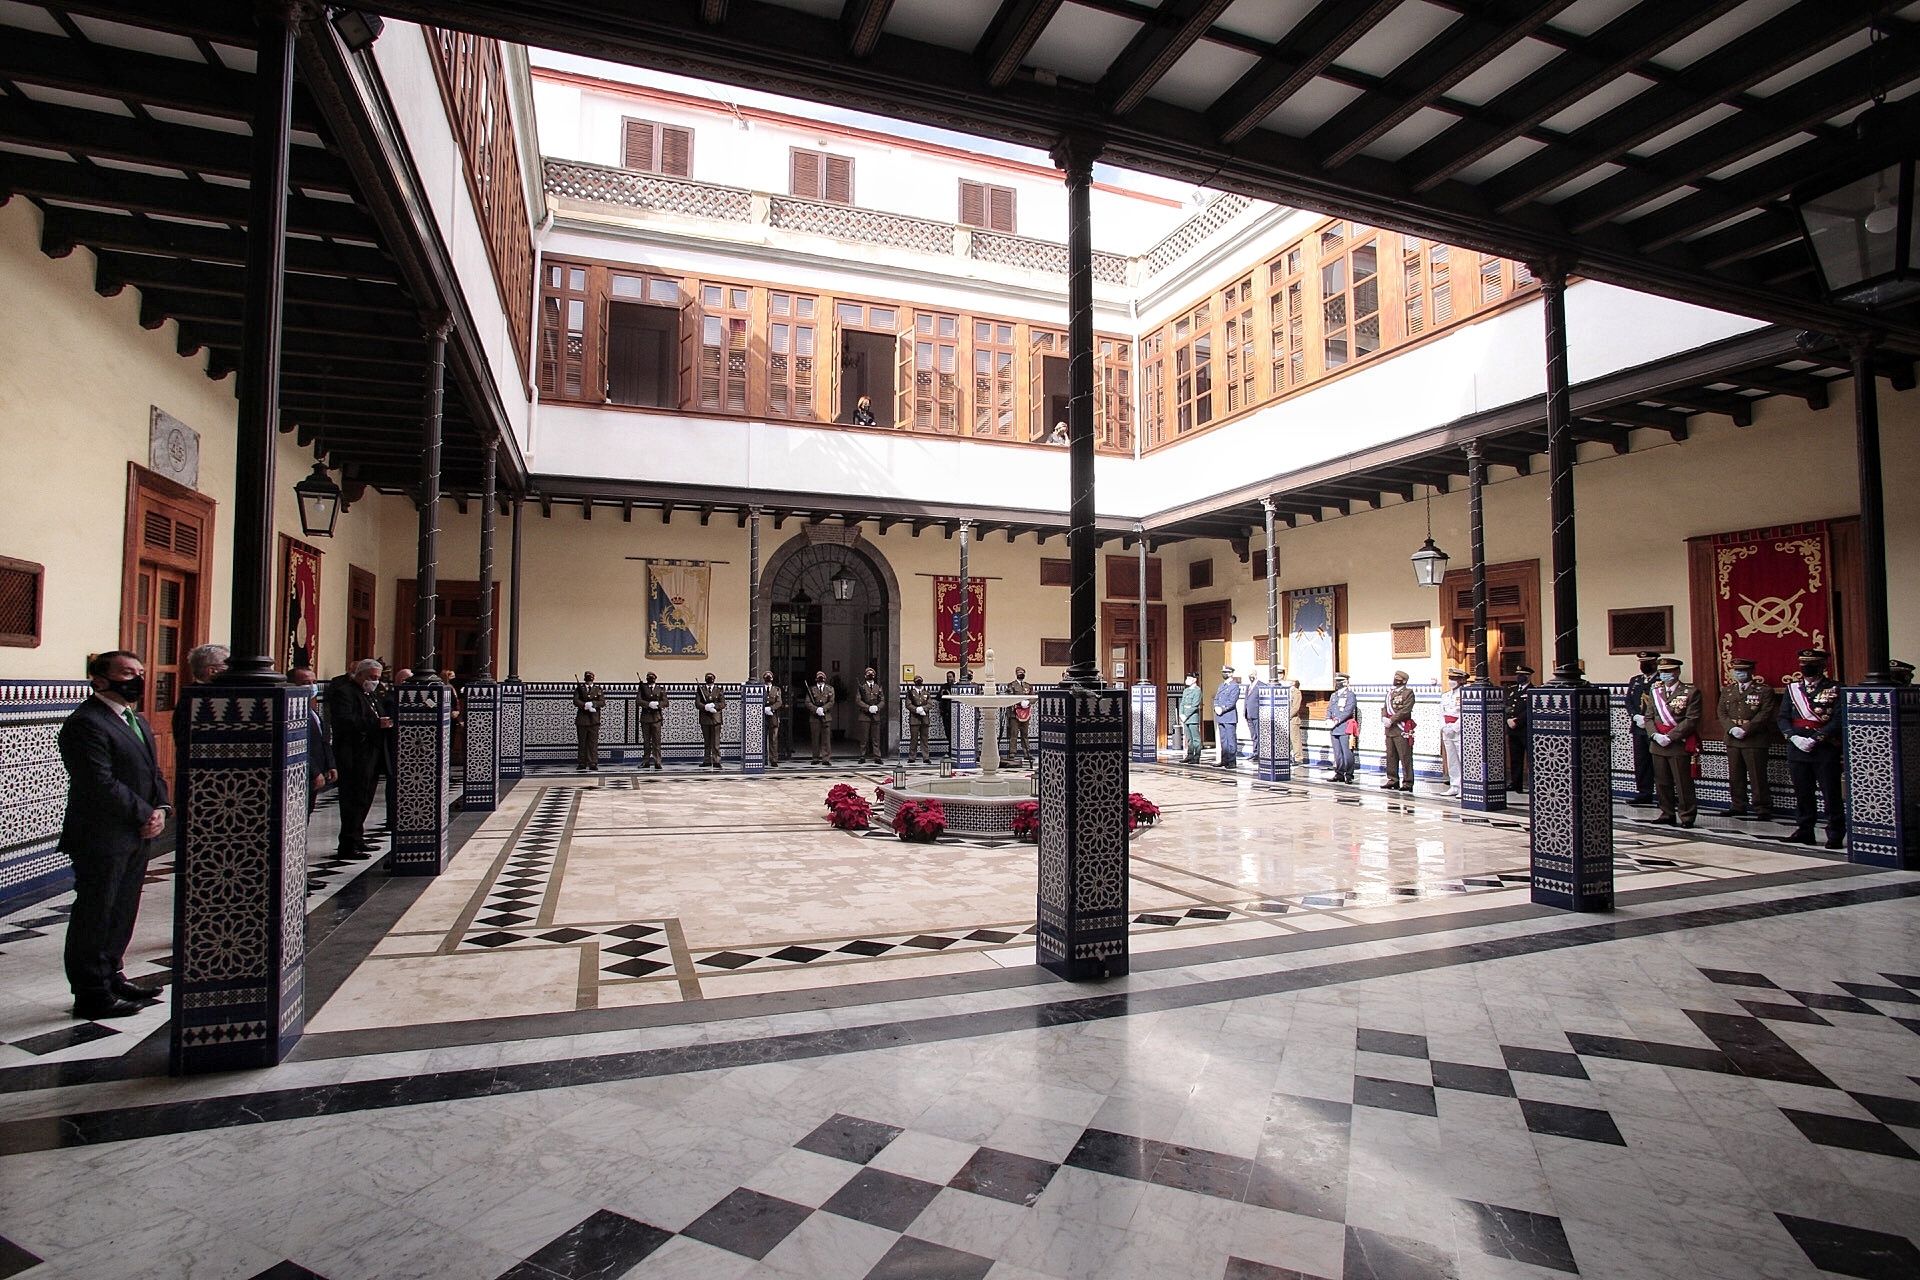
1450, 729
1343, 727
1397, 711
1670, 713
873, 717
820, 717
1516, 707
770, 719
1642, 758
588, 702
920, 708
713, 701
653, 716
1749, 709
1020, 726
1296, 719
1811, 720
1190, 718
1226, 718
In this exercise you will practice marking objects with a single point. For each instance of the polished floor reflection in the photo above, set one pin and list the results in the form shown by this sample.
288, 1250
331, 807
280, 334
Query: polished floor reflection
680, 1027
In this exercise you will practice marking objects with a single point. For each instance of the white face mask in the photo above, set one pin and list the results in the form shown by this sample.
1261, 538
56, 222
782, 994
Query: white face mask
1191, 681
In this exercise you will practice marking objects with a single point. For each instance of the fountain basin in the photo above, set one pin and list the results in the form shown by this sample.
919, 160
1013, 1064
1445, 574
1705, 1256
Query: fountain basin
974, 805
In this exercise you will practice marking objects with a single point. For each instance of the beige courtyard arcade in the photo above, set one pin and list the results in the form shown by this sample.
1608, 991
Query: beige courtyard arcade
1115, 342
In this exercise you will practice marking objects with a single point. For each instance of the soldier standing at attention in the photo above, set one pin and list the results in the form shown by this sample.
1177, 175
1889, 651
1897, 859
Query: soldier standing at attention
1672, 711
1810, 717
873, 711
1343, 725
712, 700
1516, 701
820, 718
1642, 758
776, 703
1021, 721
919, 710
1250, 712
1226, 718
1450, 730
589, 700
653, 714
1748, 709
1397, 711
1296, 719
1190, 718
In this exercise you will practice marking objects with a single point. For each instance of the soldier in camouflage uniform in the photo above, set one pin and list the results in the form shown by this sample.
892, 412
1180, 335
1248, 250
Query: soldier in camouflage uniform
920, 708
653, 715
873, 717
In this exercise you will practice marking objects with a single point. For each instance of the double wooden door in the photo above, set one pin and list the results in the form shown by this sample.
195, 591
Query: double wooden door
163, 600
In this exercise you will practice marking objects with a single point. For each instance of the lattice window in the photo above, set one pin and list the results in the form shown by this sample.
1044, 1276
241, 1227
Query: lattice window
1113, 408
1153, 386
1350, 301
1236, 345
993, 379
820, 175
984, 205
1440, 278
579, 181
1055, 572
563, 331
790, 354
1411, 640
1193, 369
1056, 653
1631, 630
1413, 288
22, 585
1286, 320
651, 147
1491, 287
724, 319
936, 379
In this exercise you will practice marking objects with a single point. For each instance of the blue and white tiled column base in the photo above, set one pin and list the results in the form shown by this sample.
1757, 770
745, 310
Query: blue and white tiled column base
966, 732
425, 729
1144, 723
241, 880
513, 717
480, 780
1083, 777
753, 739
1883, 776
1571, 840
1483, 748
1273, 724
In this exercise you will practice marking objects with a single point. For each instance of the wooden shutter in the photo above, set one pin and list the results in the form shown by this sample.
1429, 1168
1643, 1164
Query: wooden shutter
638, 152
973, 204
676, 151
803, 176
905, 385
1000, 209
689, 388
839, 181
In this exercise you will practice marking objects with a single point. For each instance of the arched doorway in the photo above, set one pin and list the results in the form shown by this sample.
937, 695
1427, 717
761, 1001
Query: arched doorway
805, 625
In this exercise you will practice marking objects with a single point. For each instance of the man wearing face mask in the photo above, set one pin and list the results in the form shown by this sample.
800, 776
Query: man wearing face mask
1516, 706
1450, 729
873, 711
1810, 718
712, 700
1672, 710
653, 715
1020, 717
1190, 703
358, 745
820, 699
1748, 709
1642, 758
770, 719
1343, 727
1226, 718
116, 805
920, 701
1397, 711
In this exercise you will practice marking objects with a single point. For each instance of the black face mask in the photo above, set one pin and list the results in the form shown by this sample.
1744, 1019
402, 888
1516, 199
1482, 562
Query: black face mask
128, 690
1646, 668
1811, 669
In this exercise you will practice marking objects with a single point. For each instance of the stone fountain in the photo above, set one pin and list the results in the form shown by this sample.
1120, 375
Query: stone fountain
979, 802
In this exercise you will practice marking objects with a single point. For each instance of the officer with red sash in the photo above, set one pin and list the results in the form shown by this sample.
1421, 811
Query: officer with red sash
1810, 720
1672, 711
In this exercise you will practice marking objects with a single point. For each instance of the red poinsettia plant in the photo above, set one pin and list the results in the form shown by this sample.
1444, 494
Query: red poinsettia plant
847, 809
1026, 820
1141, 812
921, 820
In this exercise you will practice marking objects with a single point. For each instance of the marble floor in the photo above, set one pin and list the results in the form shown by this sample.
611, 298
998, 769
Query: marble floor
678, 1026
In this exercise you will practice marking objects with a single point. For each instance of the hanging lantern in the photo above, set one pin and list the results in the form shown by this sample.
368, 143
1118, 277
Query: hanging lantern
319, 499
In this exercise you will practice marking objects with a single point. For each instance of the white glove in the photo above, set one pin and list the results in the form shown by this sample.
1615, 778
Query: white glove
1639, 722
1737, 732
1026, 702
1803, 742
820, 711
653, 706
1663, 739
919, 711
769, 710
588, 708
873, 711
710, 707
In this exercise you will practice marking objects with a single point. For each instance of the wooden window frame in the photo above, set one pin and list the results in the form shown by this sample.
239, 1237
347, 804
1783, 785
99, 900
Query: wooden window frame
1200, 574
802, 401
1665, 610
936, 393
988, 217
996, 388
810, 175
1123, 577
1193, 389
1056, 571
1113, 395
37, 573
657, 146
1239, 379
565, 294
1153, 387
731, 307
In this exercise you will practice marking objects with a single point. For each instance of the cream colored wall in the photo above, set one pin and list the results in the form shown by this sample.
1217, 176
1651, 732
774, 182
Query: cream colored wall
78, 376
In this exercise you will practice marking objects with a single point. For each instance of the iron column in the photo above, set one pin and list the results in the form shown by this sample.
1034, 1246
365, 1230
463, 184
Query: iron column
1076, 156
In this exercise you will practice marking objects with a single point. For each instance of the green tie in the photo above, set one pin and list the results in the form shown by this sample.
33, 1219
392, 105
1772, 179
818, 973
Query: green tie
133, 723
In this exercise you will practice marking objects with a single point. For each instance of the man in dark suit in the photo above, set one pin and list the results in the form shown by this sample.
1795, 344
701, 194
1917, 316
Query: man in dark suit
320, 770
116, 804
358, 745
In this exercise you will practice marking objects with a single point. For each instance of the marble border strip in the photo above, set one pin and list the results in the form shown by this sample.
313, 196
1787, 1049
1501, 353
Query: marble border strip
120, 1124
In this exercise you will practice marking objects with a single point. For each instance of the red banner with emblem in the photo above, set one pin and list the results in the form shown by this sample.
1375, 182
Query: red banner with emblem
1772, 597
946, 622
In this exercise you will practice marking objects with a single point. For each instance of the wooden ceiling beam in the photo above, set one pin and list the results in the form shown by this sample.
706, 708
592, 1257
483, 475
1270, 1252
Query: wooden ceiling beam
1010, 37
222, 280
157, 80
69, 181
863, 21
1173, 28
1326, 32
64, 230
1786, 382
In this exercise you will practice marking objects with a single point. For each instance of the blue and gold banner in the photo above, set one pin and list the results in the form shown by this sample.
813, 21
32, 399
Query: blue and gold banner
677, 595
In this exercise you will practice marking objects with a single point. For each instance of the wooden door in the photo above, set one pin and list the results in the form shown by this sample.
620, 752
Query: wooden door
1198, 622
456, 618
163, 633
1513, 618
361, 590
163, 605
1120, 644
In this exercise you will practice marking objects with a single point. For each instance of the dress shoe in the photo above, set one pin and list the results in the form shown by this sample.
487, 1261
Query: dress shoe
1796, 838
1687, 824
1839, 843
124, 990
1664, 820
94, 1008
1643, 802
1736, 813
1389, 786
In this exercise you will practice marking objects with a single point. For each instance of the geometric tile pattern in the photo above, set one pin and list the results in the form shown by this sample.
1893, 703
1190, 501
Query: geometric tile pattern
1083, 777
637, 950
33, 783
515, 897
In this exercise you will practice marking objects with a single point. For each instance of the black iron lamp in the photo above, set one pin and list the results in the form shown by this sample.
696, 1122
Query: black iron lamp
357, 30
319, 502
1429, 562
843, 585
1859, 216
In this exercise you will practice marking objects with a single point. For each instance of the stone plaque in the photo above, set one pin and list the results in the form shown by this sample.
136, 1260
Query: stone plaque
173, 448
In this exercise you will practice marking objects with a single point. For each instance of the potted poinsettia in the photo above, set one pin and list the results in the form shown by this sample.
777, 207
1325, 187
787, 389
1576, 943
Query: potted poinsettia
1141, 812
920, 820
1026, 820
847, 809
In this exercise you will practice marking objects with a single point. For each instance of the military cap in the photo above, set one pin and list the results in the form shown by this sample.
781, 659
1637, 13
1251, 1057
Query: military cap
1647, 655
1226, 671
1523, 671
1455, 673
1743, 664
1401, 675
1670, 664
1816, 655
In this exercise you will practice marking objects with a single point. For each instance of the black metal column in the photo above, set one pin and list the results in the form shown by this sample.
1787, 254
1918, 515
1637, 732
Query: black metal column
1272, 713
1873, 516
427, 577
1076, 157
1141, 533
1477, 477
1483, 714
753, 595
489, 503
259, 373
1273, 595
1560, 460
963, 624
513, 571
485, 719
